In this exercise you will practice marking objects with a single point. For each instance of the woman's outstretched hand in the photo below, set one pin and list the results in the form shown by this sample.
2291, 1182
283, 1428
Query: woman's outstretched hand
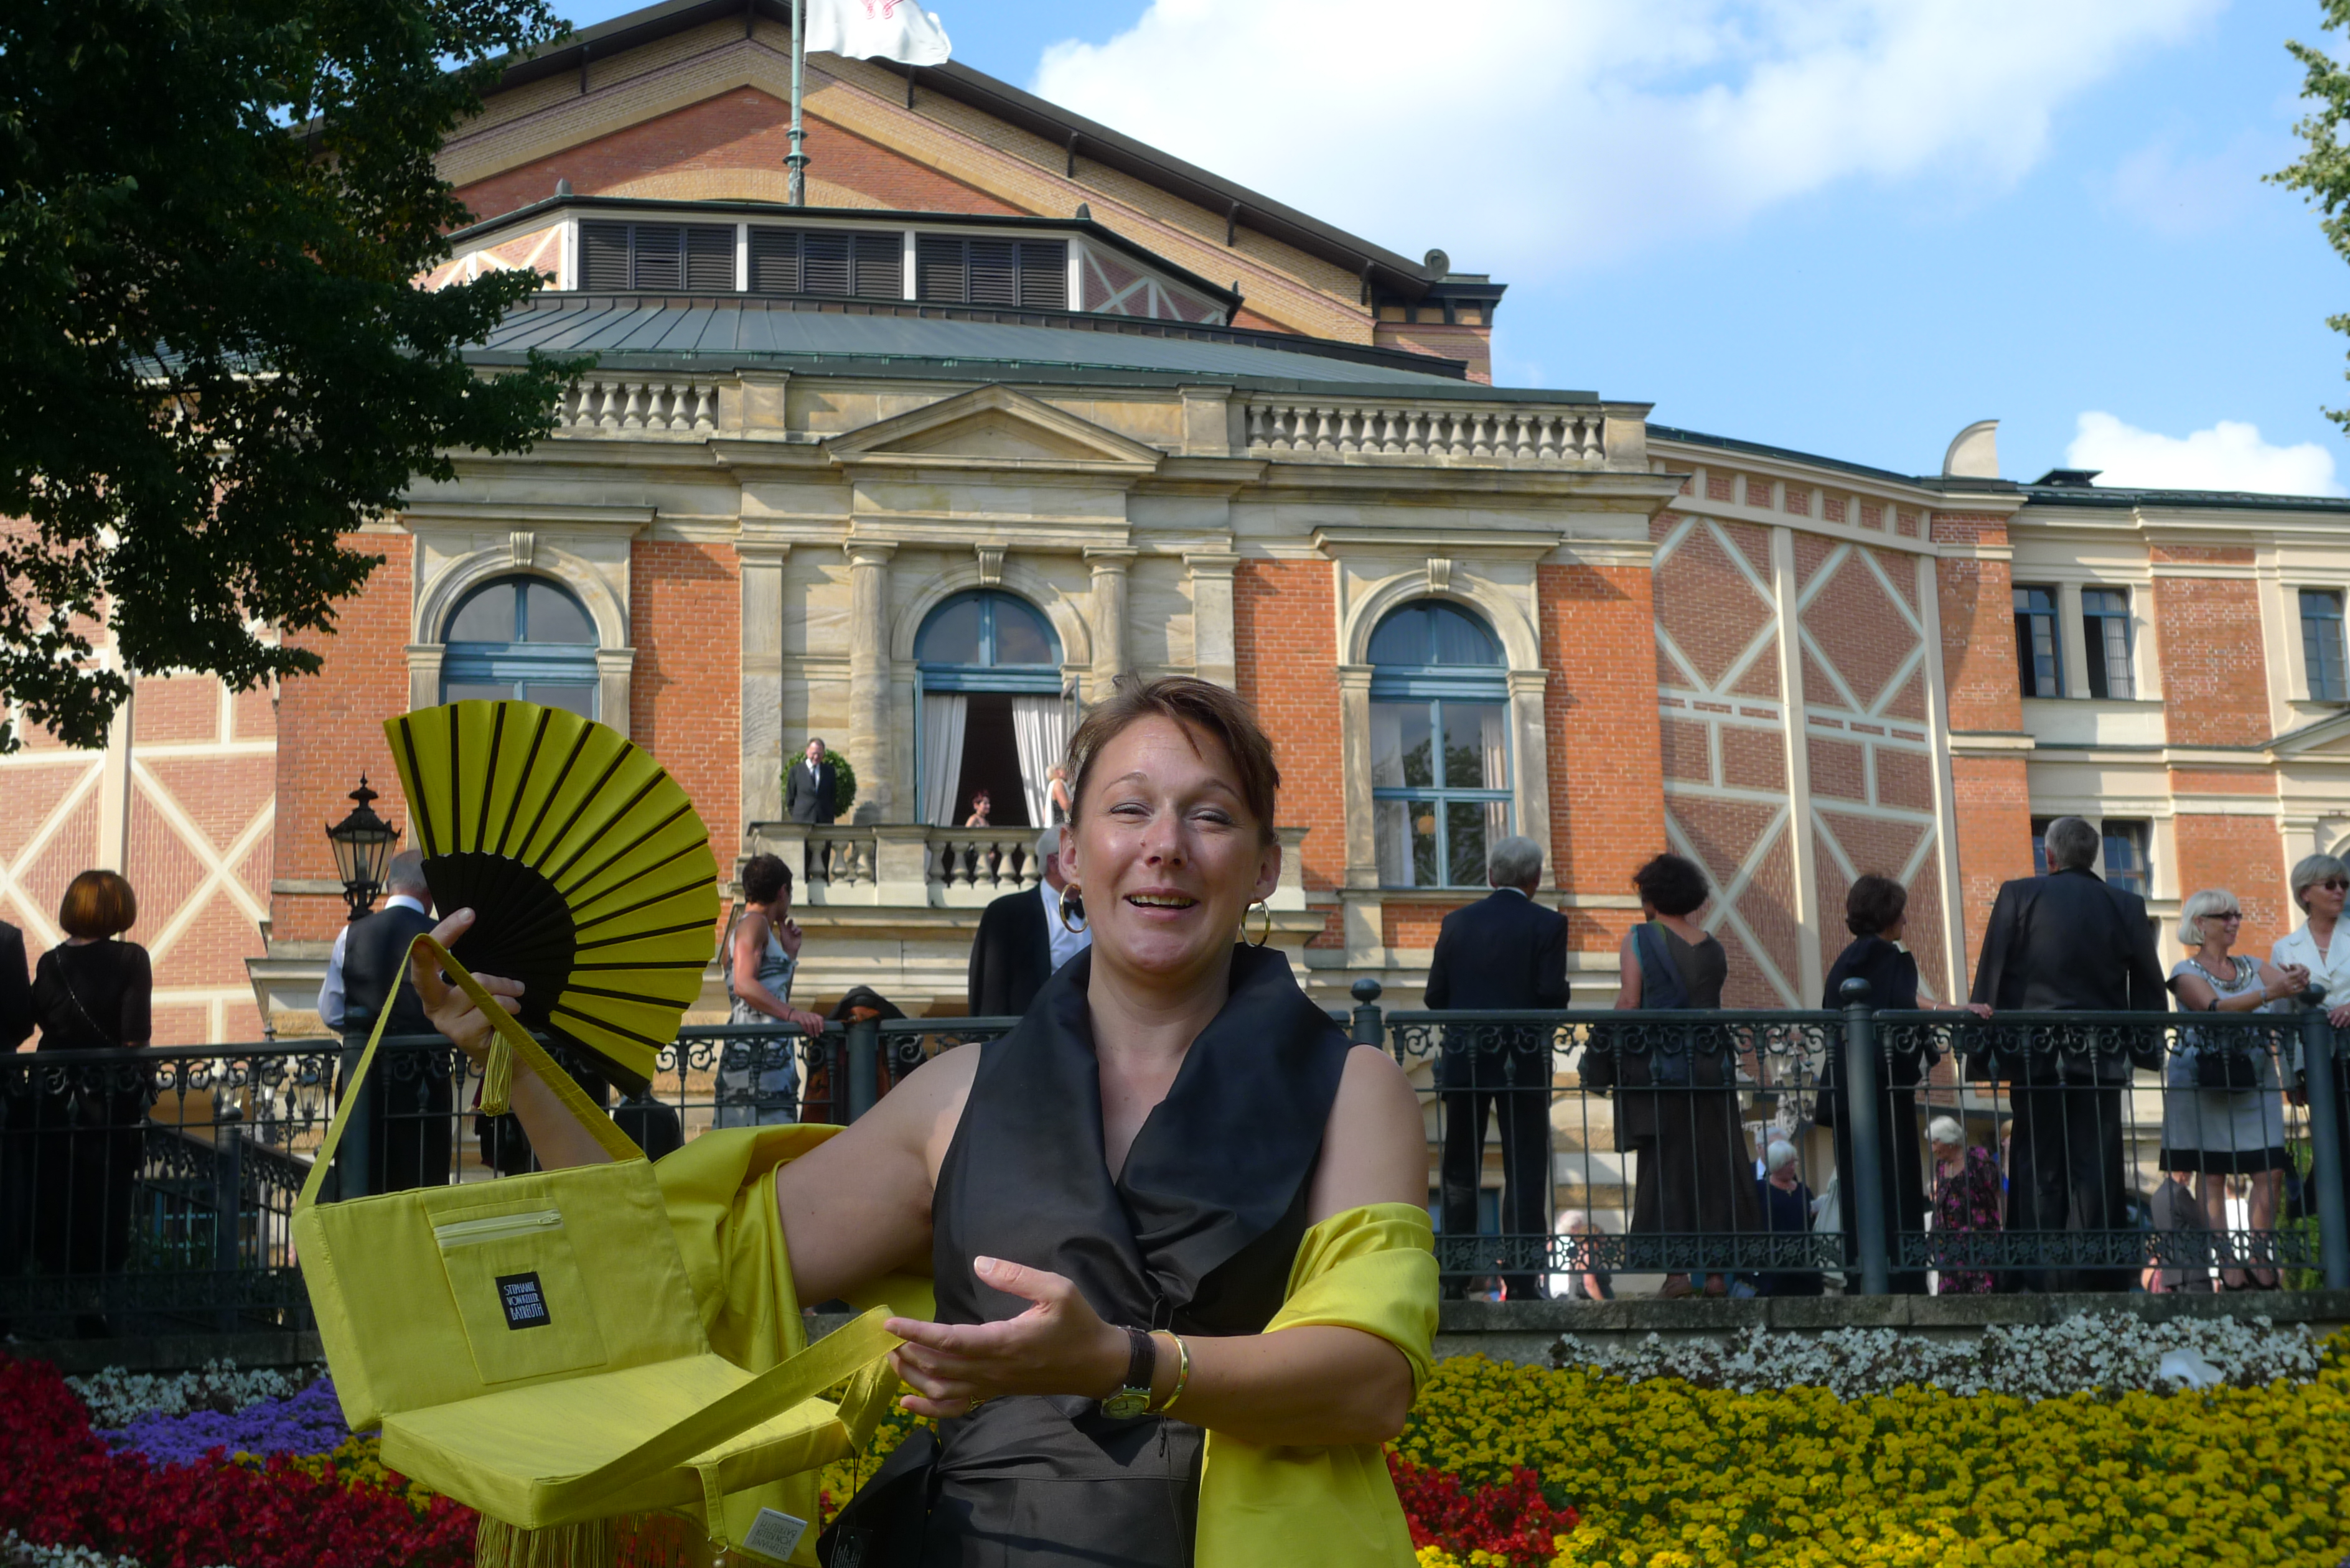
1059, 1345
451, 1011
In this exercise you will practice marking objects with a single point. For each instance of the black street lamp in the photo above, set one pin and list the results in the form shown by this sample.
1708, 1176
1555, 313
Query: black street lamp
362, 844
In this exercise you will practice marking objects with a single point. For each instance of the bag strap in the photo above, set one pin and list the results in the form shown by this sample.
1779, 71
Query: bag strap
1657, 954
510, 1033
835, 1359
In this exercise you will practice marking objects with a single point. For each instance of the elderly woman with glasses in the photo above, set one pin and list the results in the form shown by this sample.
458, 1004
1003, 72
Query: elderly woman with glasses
2222, 1114
2319, 885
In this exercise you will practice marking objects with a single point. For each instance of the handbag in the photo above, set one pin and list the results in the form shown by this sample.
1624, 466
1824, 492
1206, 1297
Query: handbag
531, 1345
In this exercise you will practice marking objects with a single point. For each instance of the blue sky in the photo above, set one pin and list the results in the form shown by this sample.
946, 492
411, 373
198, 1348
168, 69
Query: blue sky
1847, 226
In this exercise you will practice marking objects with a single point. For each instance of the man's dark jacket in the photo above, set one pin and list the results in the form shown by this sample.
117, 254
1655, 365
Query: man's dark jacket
2071, 941
16, 1015
375, 965
1012, 957
1502, 951
808, 792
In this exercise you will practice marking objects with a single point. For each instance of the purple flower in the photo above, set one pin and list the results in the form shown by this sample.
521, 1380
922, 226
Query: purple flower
310, 1422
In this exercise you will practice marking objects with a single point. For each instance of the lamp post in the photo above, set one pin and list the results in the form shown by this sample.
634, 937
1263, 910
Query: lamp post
362, 844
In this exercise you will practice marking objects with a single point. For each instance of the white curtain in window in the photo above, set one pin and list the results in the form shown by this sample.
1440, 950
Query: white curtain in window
944, 714
1040, 727
1494, 741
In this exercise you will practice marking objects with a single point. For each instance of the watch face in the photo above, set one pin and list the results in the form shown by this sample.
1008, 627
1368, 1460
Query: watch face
1125, 1403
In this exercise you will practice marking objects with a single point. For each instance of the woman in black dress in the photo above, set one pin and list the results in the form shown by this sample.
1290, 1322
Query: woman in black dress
1876, 912
91, 992
1114, 1201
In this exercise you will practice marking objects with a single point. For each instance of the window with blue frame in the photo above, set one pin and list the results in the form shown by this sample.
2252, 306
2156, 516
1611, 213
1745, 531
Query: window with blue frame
992, 717
2322, 646
1440, 746
524, 638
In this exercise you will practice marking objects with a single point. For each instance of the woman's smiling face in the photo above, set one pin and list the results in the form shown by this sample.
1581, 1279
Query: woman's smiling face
1166, 852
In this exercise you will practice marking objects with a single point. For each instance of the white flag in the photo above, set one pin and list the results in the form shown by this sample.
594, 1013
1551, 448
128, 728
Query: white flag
877, 29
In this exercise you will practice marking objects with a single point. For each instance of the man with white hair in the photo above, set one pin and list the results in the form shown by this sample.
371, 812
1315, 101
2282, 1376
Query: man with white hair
2070, 942
1023, 938
1504, 952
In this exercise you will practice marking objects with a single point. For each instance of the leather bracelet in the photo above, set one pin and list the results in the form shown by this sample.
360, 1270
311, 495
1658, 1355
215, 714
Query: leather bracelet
1183, 1371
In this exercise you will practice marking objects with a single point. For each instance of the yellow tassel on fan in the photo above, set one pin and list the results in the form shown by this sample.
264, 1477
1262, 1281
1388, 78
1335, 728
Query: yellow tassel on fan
497, 1078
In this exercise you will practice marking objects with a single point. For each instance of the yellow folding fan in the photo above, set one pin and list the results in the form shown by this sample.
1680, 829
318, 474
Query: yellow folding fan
587, 869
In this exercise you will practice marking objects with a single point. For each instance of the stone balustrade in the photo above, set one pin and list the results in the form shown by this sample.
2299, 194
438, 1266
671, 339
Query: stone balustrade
891, 865
1357, 431
681, 405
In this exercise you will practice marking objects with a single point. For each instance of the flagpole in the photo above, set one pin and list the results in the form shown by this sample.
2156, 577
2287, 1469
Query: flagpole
797, 160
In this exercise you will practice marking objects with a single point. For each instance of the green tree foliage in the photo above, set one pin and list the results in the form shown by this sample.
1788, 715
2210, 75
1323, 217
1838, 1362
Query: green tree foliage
214, 362
2322, 174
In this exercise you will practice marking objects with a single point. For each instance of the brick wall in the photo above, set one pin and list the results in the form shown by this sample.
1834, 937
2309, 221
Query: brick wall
1287, 662
2244, 856
1599, 708
685, 695
1977, 610
331, 731
744, 129
2214, 670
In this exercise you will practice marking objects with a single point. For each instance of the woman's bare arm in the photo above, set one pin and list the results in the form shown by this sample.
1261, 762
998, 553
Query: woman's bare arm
1627, 993
1316, 1385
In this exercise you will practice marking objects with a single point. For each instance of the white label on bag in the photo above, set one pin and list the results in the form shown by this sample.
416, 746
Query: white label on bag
775, 1534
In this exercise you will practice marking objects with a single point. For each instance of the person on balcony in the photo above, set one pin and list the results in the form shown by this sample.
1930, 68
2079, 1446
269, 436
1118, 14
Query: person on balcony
1677, 1096
759, 1077
1023, 938
93, 991
811, 787
2070, 942
1504, 953
1875, 911
2320, 883
2222, 1102
1175, 1222
982, 806
408, 1102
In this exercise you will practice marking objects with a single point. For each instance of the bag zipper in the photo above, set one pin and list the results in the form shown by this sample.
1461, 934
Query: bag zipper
497, 1227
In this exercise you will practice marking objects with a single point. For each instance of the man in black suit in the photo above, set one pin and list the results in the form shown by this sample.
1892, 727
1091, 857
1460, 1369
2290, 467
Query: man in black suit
2070, 942
1504, 951
15, 990
404, 1120
1022, 940
810, 787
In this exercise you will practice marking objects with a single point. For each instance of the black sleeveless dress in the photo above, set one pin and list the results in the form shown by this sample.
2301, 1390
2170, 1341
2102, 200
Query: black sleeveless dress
1197, 1234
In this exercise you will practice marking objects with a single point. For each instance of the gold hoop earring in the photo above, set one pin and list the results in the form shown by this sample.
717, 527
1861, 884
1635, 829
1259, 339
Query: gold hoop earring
1073, 897
1263, 936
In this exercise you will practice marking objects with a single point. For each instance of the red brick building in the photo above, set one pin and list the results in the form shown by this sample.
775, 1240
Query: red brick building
1016, 405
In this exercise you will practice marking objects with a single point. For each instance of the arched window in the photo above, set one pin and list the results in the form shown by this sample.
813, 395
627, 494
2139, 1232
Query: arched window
992, 715
1440, 746
521, 636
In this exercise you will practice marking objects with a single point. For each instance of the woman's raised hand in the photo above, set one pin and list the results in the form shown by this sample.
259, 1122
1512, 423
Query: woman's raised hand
1059, 1345
451, 1011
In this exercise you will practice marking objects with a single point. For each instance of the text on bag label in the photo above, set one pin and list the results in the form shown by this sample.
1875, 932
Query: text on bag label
525, 1303
775, 1534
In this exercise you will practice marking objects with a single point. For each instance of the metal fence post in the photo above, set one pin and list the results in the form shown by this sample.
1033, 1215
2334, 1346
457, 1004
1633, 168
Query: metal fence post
2326, 1142
228, 1213
864, 1066
1370, 1026
1860, 1112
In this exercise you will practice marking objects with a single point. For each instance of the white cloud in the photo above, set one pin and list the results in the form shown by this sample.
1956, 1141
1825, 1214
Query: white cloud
2230, 455
1537, 137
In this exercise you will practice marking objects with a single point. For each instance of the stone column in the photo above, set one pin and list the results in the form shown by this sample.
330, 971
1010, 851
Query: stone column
762, 682
1109, 616
1355, 761
614, 666
1530, 790
1214, 653
868, 679
1803, 897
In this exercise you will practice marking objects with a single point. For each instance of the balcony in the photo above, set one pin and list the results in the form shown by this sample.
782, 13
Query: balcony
901, 866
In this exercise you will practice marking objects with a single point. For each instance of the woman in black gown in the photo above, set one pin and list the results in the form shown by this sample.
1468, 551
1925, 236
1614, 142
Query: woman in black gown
1876, 911
1136, 1162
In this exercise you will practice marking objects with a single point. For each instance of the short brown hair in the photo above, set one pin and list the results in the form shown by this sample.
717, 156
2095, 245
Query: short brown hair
1873, 905
1200, 705
97, 905
765, 878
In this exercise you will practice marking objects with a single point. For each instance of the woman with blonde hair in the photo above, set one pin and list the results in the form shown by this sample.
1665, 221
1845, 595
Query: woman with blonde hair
2223, 1109
1185, 1277
2320, 883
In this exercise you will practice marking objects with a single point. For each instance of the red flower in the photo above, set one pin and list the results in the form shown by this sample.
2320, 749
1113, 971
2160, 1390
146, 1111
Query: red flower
1513, 1521
60, 1486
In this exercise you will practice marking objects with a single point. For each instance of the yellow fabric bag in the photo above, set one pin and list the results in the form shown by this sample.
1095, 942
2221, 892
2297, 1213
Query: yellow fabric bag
1372, 1269
532, 1347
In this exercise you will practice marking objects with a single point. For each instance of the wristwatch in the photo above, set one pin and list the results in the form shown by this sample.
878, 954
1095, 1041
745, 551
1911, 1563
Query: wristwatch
1133, 1397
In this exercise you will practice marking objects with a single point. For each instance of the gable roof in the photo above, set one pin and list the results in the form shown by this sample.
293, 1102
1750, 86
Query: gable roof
1384, 268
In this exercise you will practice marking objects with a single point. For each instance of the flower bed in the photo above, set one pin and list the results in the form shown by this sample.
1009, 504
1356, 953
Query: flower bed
2042, 1446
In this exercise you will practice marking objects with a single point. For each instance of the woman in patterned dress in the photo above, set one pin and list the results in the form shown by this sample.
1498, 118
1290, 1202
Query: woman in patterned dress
1966, 1198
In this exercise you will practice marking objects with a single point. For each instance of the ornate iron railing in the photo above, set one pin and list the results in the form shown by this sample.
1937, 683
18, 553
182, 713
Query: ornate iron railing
151, 1190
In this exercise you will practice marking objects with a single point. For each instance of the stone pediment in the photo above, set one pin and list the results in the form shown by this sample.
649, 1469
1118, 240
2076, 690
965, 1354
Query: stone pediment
2328, 738
994, 428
